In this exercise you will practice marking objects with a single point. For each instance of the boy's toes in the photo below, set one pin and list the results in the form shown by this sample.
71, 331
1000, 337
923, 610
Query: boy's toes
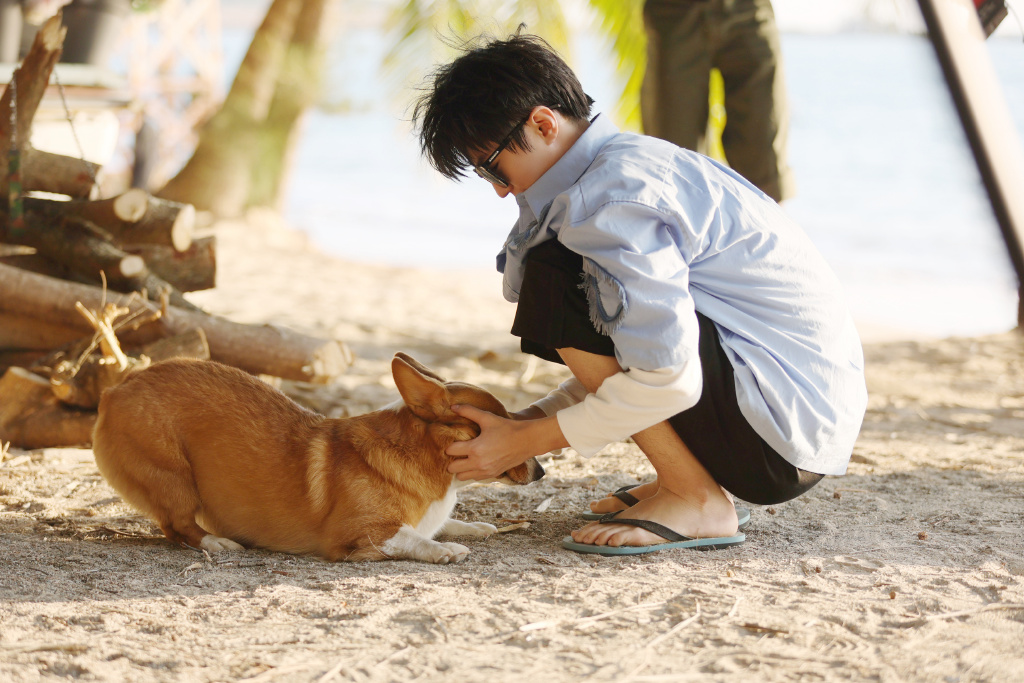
605, 505
593, 533
614, 535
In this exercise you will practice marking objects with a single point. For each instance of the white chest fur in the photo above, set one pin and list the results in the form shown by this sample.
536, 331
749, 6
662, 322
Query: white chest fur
417, 544
439, 511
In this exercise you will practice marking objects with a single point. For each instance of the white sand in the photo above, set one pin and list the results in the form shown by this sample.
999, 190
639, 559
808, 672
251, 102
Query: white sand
910, 568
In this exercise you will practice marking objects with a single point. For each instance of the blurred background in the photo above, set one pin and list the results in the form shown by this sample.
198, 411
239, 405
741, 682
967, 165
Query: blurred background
886, 184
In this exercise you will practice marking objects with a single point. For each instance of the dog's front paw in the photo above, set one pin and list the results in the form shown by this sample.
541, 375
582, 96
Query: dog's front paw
454, 527
449, 553
216, 544
481, 529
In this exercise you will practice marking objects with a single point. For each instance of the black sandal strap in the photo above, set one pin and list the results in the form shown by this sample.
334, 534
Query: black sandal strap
647, 525
623, 494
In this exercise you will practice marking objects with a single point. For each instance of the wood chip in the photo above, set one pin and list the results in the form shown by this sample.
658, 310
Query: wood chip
512, 527
545, 504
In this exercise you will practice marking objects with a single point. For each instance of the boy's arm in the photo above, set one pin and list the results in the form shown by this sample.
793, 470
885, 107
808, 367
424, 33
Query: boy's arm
569, 393
629, 402
625, 403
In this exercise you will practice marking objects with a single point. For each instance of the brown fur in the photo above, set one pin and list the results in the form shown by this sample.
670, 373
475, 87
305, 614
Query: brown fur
204, 448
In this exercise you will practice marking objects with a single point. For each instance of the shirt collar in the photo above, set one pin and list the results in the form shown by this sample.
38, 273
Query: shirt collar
568, 169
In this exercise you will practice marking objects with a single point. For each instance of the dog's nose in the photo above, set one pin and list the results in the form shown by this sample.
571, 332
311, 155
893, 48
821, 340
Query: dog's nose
538, 471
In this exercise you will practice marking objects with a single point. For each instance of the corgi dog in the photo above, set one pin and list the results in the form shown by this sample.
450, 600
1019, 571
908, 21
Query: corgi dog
222, 461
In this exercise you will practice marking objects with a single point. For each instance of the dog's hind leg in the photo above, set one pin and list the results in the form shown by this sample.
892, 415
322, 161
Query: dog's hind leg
166, 493
178, 522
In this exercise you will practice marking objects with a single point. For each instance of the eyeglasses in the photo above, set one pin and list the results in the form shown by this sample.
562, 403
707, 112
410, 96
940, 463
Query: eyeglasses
484, 170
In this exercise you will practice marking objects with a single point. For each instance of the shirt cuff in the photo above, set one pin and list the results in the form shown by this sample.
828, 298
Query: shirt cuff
568, 393
627, 403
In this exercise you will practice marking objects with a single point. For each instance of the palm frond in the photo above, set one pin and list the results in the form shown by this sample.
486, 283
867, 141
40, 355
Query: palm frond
622, 23
430, 32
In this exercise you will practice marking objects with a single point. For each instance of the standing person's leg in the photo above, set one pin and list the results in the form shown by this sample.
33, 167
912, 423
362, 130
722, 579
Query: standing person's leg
674, 93
749, 56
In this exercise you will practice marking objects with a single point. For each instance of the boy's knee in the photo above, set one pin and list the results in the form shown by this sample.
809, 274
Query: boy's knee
590, 369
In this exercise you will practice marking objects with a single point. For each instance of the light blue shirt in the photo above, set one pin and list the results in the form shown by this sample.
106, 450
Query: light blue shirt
664, 232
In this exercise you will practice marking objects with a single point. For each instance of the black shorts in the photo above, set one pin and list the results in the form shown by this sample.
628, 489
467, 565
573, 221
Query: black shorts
553, 313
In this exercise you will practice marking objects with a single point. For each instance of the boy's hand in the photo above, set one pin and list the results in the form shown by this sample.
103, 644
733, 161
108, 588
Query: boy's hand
502, 444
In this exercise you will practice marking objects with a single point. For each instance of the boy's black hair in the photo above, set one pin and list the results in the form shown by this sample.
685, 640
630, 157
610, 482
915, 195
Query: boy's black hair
489, 90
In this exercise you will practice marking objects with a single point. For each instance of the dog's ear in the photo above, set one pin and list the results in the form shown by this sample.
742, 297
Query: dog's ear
422, 390
419, 367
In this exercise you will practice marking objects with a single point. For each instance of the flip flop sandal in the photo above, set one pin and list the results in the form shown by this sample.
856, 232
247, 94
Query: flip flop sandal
675, 540
742, 517
742, 514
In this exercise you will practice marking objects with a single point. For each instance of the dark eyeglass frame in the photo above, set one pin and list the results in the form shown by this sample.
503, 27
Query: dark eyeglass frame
484, 170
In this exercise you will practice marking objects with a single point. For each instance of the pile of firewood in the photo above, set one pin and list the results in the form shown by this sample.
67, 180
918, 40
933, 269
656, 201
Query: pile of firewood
92, 289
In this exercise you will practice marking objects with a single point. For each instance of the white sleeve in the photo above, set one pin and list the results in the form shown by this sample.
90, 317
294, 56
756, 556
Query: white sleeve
569, 393
629, 402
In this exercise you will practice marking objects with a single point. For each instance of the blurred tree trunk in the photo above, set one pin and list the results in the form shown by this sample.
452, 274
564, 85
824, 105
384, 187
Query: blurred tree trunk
243, 149
298, 88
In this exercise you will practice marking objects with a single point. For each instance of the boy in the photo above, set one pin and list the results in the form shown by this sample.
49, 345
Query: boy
693, 314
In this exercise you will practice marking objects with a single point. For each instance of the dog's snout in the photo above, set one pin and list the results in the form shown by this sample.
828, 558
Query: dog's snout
536, 471
530, 471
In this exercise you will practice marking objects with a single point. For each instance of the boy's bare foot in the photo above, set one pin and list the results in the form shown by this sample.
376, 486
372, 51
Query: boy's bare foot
613, 504
715, 517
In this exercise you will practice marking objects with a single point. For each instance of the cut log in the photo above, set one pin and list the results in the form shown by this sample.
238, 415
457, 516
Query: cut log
30, 260
81, 383
32, 417
131, 218
191, 344
40, 170
191, 270
259, 349
72, 243
128, 207
9, 250
24, 332
155, 286
30, 82
21, 359
48, 172
75, 244
165, 222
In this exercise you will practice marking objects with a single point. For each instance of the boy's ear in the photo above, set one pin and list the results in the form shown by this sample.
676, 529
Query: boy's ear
422, 390
544, 119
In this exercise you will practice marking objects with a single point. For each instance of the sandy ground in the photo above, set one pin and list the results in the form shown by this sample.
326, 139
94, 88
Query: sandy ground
909, 568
